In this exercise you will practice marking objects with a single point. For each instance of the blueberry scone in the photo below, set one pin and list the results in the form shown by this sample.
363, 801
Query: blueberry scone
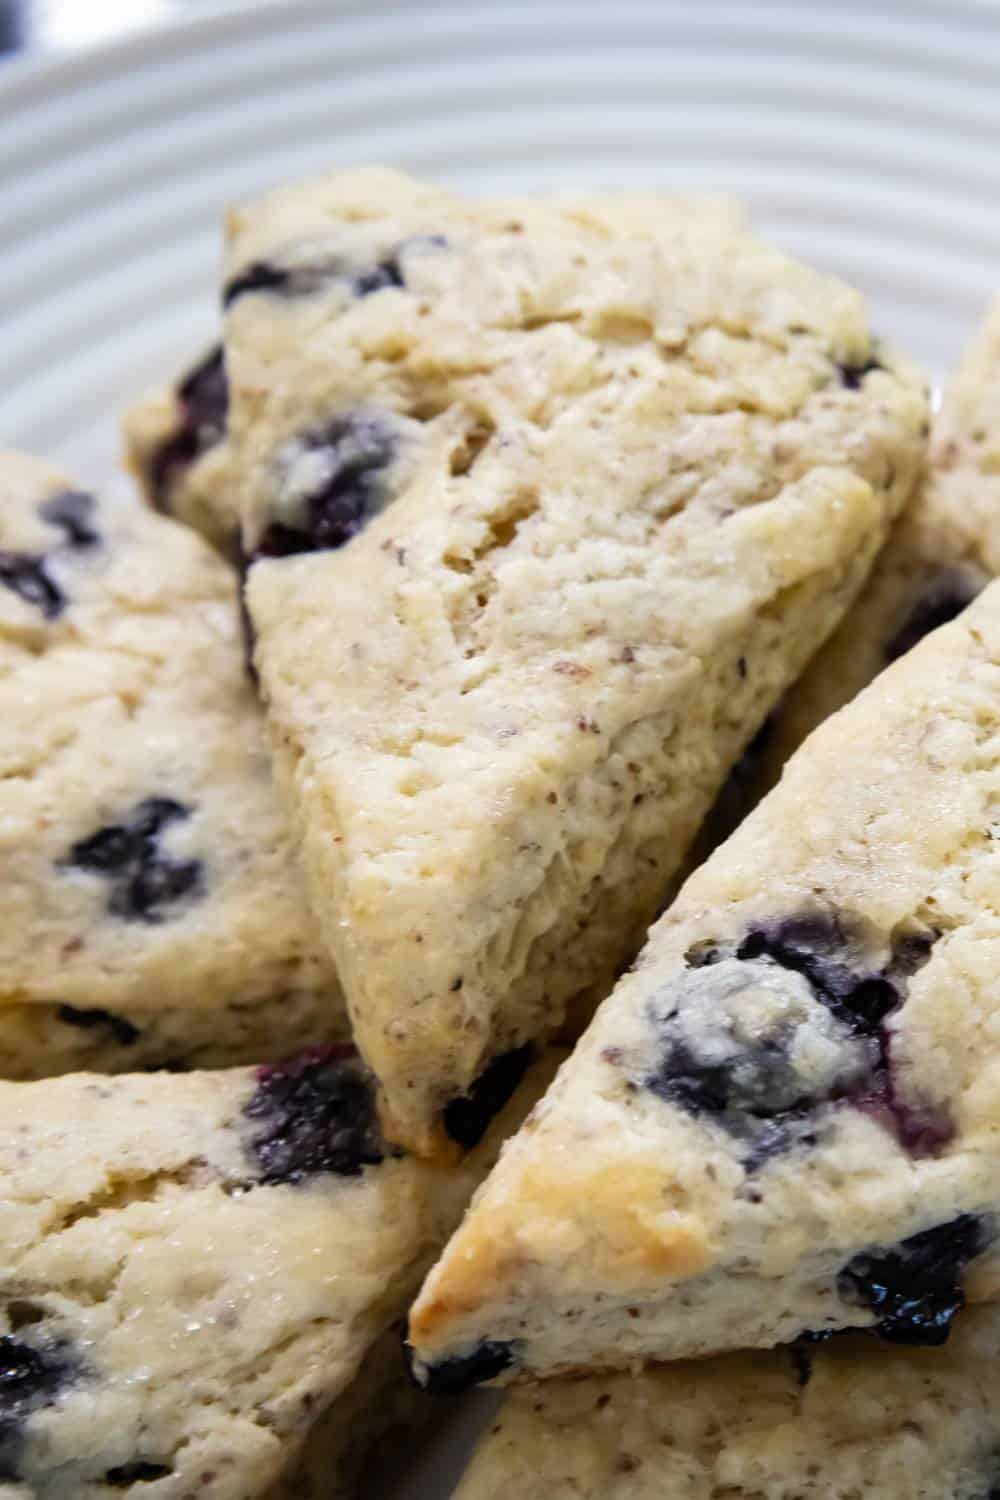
944, 549
635, 482
941, 552
151, 905
784, 1121
176, 447
195, 1269
831, 1422
175, 438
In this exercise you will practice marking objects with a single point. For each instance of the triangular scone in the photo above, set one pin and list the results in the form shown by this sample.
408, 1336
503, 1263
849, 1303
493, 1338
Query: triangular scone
635, 484
176, 448
943, 550
831, 1422
151, 906
175, 437
785, 1119
194, 1270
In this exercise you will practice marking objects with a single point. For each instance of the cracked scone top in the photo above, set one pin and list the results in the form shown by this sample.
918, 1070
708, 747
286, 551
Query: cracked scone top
826, 1422
634, 484
196, 1269
176, 438
784, 1120
943, 550
151, 905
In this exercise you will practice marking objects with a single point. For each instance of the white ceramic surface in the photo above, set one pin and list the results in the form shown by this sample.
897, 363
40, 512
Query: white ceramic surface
863, 133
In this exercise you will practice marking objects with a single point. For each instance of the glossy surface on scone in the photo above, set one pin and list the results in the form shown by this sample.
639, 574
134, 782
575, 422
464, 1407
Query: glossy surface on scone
151, 906
818, 1422
944, 548
194, 1268
176, 447
785, 1119
634, 483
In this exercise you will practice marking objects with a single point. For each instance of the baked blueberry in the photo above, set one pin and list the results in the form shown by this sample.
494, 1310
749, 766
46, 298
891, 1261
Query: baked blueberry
451, 1377
307, 278
346, 464
73, 512
27, 576
316, 1114
32, 1375
851, 375
915, 1288
140, 1471
143, 878
203, 399
467, 1119
943, 601
755, 1072
124, 1033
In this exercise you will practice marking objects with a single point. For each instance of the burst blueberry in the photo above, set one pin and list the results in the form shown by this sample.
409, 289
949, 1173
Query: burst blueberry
315, 1114
915, 1288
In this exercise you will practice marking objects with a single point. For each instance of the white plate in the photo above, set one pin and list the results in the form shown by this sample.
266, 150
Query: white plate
864, 136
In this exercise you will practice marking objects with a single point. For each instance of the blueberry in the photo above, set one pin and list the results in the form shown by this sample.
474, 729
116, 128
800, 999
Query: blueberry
350, 457
203, 398
305, 279
259, 276
32, 1375
915, 1288
143, 880
27, 577
452, 1377
123, 1032
317, 1114
719, 1059
73, 512
946, 599
466, 1119
851, 375
139, 1471
816, 946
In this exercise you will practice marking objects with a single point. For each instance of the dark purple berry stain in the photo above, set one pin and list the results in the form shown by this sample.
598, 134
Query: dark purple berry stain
32, 1376
203, 399
851, 375
122, 1031
143, 879
915, 1288
943, 602
750, 1084
306, 279
140, 1471
73, 512
354, 452
26, 573
315, 1114
452, 1377
467, 1118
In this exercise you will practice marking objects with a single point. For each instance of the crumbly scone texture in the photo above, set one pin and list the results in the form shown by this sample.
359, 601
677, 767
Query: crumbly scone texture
784, 1120
177, 451
944, 549
826, 1423
195, 1268
634, 484
152, 909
